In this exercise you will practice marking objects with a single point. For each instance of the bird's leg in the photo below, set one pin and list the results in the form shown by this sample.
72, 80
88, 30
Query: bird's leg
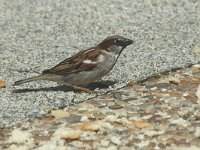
86, 90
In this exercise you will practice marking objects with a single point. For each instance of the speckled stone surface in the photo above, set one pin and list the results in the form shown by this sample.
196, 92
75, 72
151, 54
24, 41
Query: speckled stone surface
138, 116
36, 35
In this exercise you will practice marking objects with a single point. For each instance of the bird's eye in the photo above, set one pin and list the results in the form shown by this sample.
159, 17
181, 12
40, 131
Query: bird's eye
118, 41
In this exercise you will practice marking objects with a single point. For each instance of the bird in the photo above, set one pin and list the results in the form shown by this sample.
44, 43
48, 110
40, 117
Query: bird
85, 67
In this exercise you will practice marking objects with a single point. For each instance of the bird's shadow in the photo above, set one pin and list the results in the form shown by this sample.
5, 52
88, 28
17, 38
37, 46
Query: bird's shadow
101, 85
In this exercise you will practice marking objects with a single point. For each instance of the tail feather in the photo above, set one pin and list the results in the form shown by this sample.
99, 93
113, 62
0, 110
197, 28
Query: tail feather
40, 77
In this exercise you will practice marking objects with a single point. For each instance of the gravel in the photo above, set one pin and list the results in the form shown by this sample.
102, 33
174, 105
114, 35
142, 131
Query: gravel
36, 35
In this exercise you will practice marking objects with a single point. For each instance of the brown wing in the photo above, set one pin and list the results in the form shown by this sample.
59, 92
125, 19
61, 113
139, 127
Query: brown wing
75, 63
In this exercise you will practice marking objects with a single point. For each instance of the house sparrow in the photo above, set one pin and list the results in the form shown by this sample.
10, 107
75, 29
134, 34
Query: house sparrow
86, 66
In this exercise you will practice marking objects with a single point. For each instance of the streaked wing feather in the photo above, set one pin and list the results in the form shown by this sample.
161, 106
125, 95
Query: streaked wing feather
75, 63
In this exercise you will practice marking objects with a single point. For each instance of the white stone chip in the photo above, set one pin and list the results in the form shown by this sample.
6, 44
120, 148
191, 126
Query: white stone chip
153, 133
20, 137
116, 140
84, 118
142, 144
180, 121
198, 93
197, 133
20, 140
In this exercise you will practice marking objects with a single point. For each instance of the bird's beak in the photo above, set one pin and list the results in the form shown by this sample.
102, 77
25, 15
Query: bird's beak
127, 42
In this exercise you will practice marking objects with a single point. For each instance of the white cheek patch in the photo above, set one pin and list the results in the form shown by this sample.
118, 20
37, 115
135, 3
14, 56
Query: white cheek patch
87, 61
101, 58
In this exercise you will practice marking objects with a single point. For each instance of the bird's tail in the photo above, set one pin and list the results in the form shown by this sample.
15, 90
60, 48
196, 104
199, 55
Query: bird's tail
40, 77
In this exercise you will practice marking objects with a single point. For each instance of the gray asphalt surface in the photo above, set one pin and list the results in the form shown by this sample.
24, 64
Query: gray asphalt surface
36, 35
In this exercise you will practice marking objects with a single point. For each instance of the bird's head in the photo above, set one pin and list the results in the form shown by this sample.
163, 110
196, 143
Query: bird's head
115, 44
